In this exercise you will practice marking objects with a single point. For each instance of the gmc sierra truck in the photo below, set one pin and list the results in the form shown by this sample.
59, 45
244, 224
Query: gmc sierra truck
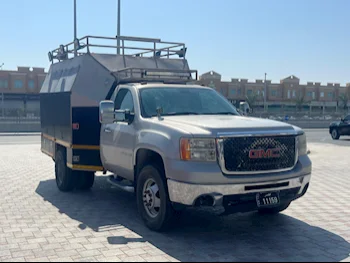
143, 118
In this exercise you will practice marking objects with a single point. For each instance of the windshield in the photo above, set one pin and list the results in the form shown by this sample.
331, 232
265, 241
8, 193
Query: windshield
184, 101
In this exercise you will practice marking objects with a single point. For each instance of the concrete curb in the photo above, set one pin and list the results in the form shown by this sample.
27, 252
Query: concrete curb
21, 134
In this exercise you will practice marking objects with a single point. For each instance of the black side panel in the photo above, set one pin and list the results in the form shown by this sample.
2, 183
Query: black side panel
89, 126
56, 116
86, 157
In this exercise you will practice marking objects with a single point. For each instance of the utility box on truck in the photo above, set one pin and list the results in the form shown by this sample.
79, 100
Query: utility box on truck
69, 102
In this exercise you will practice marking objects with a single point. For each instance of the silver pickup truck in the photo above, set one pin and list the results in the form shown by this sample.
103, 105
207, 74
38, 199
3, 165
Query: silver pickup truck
190, 147
174, 143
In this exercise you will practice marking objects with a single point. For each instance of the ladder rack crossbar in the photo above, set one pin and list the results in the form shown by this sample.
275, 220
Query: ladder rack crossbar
132, 75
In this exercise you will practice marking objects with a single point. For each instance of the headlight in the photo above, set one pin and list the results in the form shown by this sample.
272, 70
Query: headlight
302, 144
198, 150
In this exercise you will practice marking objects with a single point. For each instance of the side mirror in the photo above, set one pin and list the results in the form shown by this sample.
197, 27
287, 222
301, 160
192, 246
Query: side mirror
342, 120
120, 115
107, 115
124, 116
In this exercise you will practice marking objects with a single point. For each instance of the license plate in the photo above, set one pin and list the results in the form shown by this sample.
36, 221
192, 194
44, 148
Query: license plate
267, 199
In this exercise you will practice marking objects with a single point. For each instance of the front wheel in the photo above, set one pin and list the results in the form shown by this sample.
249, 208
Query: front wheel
274, 210
152, 197
335, 134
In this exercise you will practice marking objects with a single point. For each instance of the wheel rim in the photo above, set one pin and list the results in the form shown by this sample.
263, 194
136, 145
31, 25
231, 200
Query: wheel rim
334, 134
151, 198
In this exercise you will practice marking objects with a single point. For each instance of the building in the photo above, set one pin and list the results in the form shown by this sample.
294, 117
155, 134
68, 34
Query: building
19, 91
288, 94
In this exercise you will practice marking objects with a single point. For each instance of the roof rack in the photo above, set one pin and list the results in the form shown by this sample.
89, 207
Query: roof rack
136, 75
130, 46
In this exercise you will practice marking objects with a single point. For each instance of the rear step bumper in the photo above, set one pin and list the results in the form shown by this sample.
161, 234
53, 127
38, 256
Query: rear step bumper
214, 195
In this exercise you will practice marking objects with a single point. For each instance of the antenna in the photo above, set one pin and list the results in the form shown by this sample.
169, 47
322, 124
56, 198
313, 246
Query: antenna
75, 28
118, 30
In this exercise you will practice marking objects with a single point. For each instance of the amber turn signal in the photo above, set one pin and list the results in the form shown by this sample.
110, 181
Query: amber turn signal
185, 149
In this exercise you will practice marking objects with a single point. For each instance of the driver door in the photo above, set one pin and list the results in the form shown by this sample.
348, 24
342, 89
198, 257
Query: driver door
345, 126
120, 138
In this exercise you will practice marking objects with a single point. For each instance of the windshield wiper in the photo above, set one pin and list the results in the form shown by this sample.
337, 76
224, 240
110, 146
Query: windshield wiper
175, 114
196, 113
180, 113
220, 113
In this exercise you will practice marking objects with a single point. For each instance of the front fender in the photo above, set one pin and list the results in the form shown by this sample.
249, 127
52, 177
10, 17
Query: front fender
159, 142
333, 126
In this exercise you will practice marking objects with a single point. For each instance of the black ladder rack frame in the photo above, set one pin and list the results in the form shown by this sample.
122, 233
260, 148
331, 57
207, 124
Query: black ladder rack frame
140, 75
84, 45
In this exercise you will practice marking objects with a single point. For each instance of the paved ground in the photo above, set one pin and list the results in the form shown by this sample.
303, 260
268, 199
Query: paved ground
39, 223
19, 140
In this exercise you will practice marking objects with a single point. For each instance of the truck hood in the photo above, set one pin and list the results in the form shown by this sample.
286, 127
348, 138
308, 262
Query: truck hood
214, 124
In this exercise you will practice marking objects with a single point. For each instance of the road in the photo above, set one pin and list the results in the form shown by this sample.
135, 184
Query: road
19, 140
313, 136
323, 136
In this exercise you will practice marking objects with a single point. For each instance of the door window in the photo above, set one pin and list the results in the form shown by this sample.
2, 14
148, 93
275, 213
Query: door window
124, 100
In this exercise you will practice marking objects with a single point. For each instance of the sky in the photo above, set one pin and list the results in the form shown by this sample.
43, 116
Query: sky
236, 38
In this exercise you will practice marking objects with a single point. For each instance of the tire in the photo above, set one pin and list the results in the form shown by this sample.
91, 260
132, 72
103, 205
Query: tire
155, 218
65, 178
335, 134
274, 210
85, 180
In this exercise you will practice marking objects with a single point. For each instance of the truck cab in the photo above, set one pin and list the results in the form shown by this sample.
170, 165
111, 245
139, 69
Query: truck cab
173, 143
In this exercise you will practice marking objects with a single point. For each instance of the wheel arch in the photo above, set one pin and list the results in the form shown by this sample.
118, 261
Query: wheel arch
144, 156
59, 147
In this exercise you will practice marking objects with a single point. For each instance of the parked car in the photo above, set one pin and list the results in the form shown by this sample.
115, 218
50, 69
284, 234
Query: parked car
340, 128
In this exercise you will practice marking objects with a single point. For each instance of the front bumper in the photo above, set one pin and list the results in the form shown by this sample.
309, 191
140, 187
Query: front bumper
188, 194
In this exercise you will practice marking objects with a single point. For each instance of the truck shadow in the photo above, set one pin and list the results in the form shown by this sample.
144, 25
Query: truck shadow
198, 235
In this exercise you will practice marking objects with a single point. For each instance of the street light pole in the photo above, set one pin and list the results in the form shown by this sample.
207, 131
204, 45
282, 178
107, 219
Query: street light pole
118, 29
265, 94
75, 28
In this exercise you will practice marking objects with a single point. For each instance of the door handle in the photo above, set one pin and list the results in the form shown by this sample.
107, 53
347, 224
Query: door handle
107, 130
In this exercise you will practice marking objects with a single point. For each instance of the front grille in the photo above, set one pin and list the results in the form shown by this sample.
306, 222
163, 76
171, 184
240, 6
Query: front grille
254, 154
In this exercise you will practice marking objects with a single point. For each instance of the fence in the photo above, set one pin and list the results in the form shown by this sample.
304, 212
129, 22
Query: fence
11, 124
328, 116
19, 120
19, 105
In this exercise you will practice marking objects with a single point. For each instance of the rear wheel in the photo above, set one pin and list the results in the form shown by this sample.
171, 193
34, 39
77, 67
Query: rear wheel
85, 180
274, 210
65, 178
335, 134
152, 197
